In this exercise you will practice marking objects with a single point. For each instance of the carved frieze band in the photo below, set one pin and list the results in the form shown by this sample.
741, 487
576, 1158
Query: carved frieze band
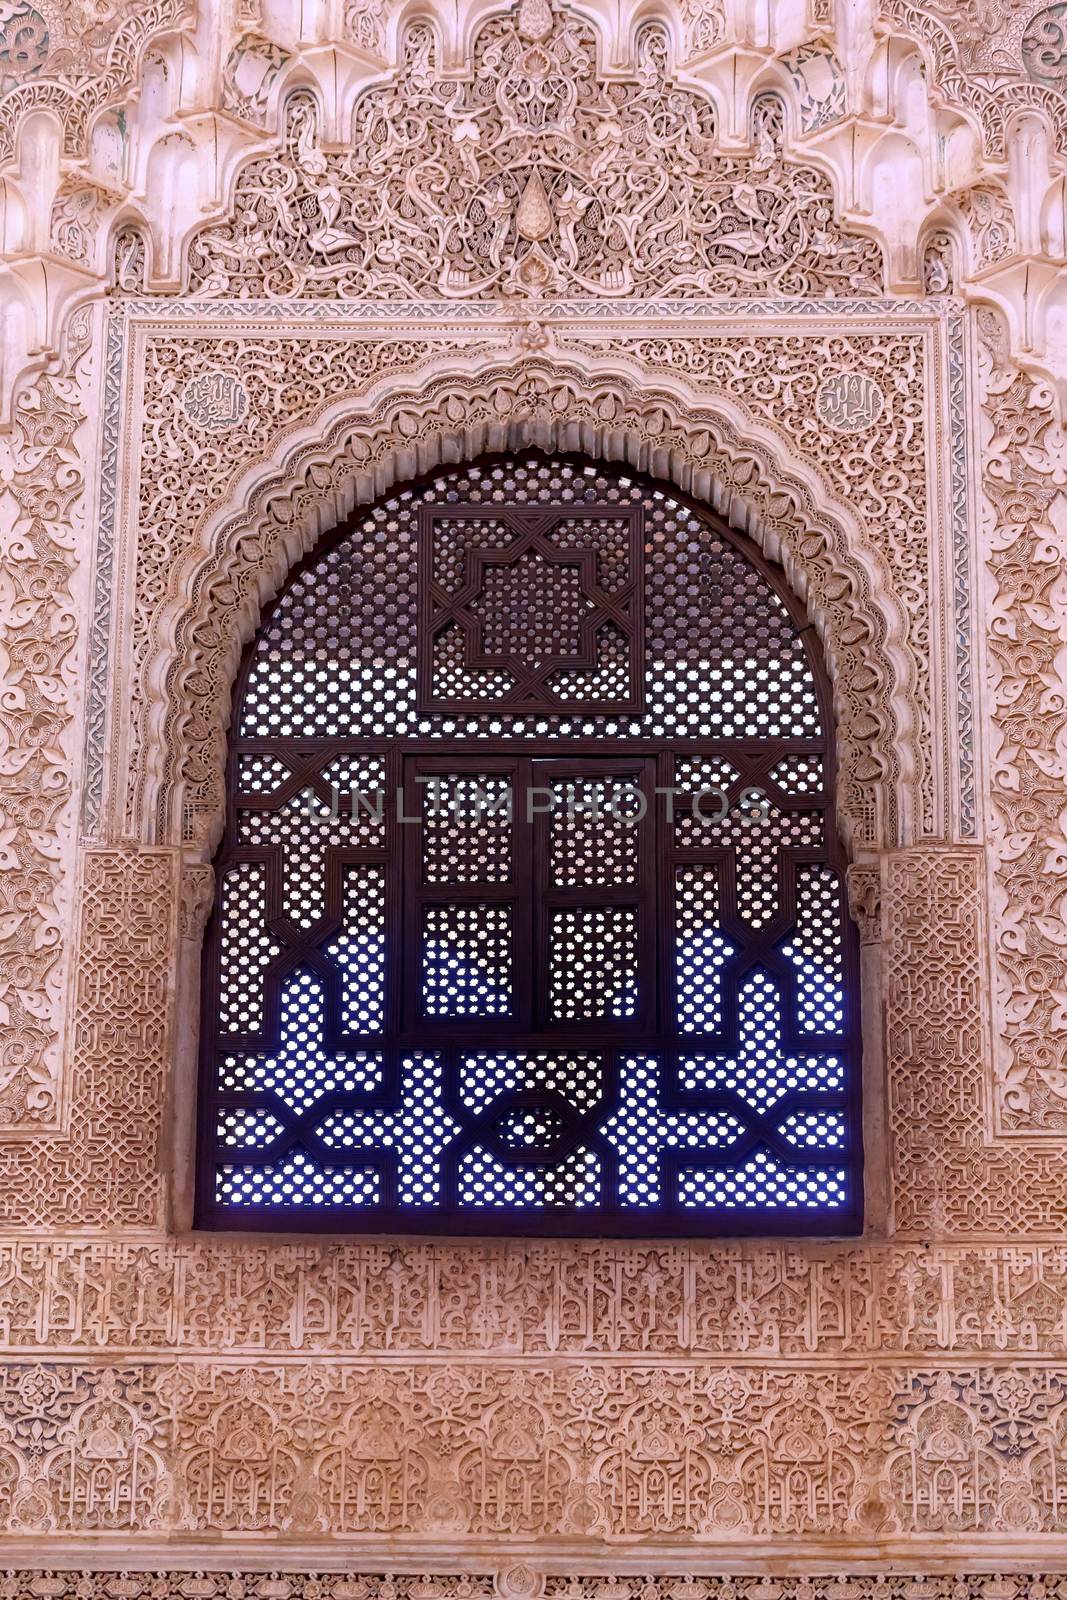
633, 1450
511, 1580
713, 1301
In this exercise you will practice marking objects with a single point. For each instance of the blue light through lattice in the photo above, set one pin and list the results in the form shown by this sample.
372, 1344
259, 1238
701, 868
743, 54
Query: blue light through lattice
643, 1127
302, 1070
418, 1132
761, 1072
465, 1026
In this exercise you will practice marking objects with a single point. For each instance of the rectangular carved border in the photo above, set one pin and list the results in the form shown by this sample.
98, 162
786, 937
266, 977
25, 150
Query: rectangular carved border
197, 1578
129, 323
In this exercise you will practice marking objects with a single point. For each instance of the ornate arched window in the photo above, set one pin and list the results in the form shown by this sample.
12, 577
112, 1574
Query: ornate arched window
530, 907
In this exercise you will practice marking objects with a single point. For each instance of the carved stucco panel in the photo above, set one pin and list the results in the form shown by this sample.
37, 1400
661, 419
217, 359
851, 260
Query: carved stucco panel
510, 1579
676, 1407
233, 405
696, 150
953, 1176
534, 174
104, 1169
199, 586
629, 1452
93, 55
949, 1178
704, 1300
1024, 470
42, 534
984, 58
855, 406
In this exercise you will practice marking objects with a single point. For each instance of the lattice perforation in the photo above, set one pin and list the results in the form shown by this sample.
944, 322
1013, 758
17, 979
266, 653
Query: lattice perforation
531, 914
530, 600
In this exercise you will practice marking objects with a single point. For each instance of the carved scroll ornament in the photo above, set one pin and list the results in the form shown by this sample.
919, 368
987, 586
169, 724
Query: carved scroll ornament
538, 176
210, 600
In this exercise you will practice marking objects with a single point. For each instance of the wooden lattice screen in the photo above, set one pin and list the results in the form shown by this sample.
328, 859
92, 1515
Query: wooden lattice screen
530, 907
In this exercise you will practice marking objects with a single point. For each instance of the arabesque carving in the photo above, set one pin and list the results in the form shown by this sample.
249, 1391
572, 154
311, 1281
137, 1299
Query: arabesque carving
70, 59
540, 176
872, 454
631, 1451
211, 600
1025, 533
414, 240
996, 59
42, 479
514, 1581
531, 152
953, 1176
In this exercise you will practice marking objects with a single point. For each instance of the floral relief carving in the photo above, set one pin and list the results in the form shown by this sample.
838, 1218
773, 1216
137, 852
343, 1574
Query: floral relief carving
540, 176
516, 1581
483, 1411
939, 264
42, 478
71, 57
128, 261
365, 22
989, 222
225, 402
252, 68
819, 80
507, 408
598, 1441
88, 1451
855, 404
79, 210
992, 58
705, 24
1044, 46
231, 399
620, 1450
492, 158
1025, 470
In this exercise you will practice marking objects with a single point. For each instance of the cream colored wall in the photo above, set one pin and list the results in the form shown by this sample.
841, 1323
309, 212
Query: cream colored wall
512, 1411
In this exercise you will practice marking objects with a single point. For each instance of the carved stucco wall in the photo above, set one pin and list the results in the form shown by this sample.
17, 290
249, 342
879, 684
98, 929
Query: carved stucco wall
510, 1418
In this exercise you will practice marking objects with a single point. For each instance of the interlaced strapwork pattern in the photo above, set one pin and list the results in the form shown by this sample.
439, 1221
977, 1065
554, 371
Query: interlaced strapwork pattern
530, 609
504, 943
722, 656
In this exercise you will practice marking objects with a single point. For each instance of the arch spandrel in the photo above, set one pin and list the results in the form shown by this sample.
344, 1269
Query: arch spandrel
181, 694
